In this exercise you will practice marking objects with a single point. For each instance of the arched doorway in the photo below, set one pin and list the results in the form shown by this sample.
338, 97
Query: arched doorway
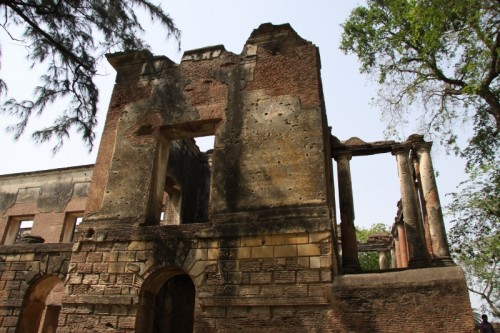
41, 306
166, 303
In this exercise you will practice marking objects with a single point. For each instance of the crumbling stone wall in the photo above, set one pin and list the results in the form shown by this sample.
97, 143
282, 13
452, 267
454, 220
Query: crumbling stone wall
236, 274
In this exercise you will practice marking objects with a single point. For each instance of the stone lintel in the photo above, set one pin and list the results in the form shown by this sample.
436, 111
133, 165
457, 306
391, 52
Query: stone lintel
358, 147
374, 247
188, 130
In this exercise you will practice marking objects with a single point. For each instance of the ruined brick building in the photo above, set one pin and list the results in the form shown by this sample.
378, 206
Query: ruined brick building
242, 238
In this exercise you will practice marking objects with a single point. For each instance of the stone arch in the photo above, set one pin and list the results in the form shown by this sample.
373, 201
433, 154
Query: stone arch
41, 306
166, 302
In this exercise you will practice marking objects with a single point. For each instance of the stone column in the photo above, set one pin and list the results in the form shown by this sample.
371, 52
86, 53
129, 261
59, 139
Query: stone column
437, 230
350, 261
394, 263
397, 253
411, 213
382, 259
403, 246
421, 201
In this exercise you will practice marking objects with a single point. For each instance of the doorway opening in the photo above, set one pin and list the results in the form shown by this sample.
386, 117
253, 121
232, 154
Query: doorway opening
166, 304
41, 306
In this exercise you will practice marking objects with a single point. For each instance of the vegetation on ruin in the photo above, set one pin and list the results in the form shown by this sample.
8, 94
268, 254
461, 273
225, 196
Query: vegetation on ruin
475, 236
68, 39
442, 57
438, 64
370, 260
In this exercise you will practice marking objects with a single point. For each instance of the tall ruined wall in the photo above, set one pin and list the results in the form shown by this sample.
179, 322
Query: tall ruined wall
270, 150
264, 107
267, 247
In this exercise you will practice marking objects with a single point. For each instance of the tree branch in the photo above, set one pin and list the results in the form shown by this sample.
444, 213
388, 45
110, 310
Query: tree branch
51, 40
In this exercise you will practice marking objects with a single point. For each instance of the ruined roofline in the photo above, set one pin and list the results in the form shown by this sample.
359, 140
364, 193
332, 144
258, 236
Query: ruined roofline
264, 33
204, 53
267, 31
47, 171
126, 58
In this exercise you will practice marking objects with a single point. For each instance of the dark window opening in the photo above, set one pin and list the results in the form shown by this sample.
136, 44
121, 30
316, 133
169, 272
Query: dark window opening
174, 306
183, 174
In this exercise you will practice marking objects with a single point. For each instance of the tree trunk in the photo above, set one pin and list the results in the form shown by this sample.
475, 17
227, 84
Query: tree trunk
494, 104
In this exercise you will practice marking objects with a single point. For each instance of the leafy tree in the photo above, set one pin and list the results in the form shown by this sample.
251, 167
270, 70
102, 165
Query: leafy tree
370, 260
475, 235
68, 38
442, 55
443, 58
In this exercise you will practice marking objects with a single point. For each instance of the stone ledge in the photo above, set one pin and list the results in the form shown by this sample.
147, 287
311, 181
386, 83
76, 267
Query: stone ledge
36, 247
120, 230
264, 301
102, 299
409, 276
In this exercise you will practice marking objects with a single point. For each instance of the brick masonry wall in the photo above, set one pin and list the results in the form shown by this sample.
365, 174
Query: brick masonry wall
236, 277
418, 300
265, 282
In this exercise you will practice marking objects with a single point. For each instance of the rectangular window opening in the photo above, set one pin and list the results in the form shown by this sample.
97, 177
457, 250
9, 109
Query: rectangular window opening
25, 227
71, 223
185, 171
18, 226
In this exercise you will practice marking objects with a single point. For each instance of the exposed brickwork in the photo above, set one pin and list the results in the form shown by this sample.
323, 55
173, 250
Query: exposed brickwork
423, 300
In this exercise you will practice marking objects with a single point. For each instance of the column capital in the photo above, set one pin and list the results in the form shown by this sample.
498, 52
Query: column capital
342, 155
422, 146
401, 148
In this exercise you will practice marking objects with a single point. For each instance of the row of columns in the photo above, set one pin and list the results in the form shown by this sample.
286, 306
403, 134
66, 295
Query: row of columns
411, 245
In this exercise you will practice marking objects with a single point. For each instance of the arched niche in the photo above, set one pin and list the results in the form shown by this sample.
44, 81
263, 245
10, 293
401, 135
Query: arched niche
166, 303
41, 306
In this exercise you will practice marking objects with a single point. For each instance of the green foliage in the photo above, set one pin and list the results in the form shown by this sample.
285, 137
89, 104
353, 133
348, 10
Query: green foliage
362, 234
475, 234
442, 56
69, 38
370, 260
